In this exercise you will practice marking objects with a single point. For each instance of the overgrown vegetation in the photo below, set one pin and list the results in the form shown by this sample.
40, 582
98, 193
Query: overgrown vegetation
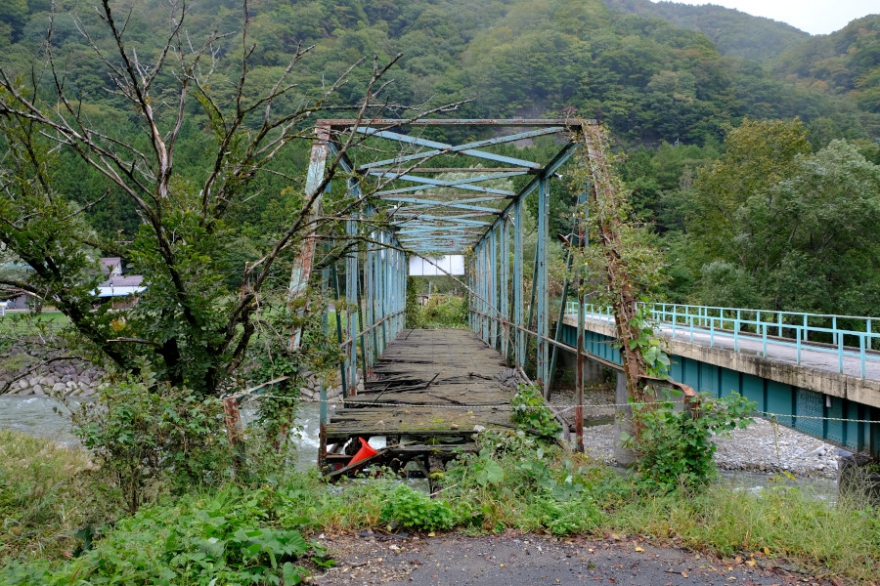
675, 446
237, 534
151, 443
438, 311
530, 412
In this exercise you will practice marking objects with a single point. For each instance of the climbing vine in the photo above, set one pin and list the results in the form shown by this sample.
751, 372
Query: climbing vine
621, 264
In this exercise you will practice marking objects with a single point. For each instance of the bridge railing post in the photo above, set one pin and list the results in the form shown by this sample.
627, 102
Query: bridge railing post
862, 354
736, 323
764, 327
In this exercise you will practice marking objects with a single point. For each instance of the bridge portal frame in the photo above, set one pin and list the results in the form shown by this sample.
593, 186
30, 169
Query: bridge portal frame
437, 212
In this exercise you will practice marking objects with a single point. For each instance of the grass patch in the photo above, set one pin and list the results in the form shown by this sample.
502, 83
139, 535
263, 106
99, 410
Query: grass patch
47, 494
24, 323
780, 522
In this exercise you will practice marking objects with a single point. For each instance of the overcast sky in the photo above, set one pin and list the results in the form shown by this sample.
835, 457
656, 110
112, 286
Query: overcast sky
818, 17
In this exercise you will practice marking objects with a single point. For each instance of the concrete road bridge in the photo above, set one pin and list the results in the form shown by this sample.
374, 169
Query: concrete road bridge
432, 187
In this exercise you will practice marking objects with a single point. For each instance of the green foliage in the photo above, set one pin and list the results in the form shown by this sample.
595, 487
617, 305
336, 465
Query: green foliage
781, 521
530, 412
153, 440
413, 309
519, 481
649, 344
675, 447
447, 311
200, 540
231, 535
844, 62
415, 510
773, 226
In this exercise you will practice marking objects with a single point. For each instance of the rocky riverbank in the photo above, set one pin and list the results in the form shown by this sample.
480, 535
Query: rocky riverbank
68, 380
761, 447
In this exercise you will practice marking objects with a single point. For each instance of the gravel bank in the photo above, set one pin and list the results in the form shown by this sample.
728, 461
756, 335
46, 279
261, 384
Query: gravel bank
761, 447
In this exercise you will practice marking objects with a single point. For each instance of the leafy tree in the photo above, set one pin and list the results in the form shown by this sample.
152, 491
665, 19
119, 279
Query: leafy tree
758, 155
781, 228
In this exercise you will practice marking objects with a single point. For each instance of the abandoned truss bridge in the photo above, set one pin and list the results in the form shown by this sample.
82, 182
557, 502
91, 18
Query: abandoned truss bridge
428, 188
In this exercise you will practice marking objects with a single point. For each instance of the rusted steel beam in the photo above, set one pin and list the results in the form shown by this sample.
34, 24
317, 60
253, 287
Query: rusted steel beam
301, 272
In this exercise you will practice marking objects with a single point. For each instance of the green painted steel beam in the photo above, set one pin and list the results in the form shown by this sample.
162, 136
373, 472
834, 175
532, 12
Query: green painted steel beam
443, 147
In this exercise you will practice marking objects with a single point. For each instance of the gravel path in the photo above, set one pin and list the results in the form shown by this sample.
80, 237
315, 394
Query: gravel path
761, 447
514, 559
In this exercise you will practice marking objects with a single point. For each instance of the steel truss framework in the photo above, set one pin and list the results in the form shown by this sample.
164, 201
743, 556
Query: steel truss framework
431, 198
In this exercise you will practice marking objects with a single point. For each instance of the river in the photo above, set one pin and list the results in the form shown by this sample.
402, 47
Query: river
46, 417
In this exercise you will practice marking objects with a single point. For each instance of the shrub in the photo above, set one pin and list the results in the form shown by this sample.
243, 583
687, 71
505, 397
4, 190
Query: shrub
445, 312
148, 440
675, 447
416, 510
530, 412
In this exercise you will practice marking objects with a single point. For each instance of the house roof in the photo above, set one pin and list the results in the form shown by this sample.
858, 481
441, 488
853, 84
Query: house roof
121, 286
127, 281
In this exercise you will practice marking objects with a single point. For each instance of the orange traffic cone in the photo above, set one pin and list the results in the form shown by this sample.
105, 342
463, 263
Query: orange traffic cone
365, 452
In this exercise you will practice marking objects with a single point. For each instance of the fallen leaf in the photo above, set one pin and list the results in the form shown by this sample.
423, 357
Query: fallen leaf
639, 549
684, 574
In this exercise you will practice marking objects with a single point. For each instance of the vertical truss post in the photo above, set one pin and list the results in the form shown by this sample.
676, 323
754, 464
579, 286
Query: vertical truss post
351, 304
579, 379
485, 283
322, 389
505, 288
478, 282
469, 271
543, 358
387, 285
401, 304
520, 346
381, 259
565, 287
342, 378
301, 272
583, 240
493, 285
399, 288
367, 297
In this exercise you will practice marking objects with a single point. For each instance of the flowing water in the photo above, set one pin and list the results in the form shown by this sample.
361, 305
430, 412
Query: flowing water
46, 417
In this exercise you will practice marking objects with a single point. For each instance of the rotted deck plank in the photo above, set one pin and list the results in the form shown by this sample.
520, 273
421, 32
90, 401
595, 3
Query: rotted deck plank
430, 386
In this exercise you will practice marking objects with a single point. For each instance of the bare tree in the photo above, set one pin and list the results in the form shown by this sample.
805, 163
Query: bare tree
187, 327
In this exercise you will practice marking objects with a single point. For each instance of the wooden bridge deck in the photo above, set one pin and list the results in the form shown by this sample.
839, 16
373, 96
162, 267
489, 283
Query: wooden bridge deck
418, 398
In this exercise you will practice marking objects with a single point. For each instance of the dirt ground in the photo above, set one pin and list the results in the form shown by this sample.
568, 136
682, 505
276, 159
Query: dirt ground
515, 559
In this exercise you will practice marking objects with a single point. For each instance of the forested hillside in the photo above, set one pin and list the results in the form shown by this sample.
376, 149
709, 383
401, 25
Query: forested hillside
734, 33
671, 99
846, 63
646, 78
